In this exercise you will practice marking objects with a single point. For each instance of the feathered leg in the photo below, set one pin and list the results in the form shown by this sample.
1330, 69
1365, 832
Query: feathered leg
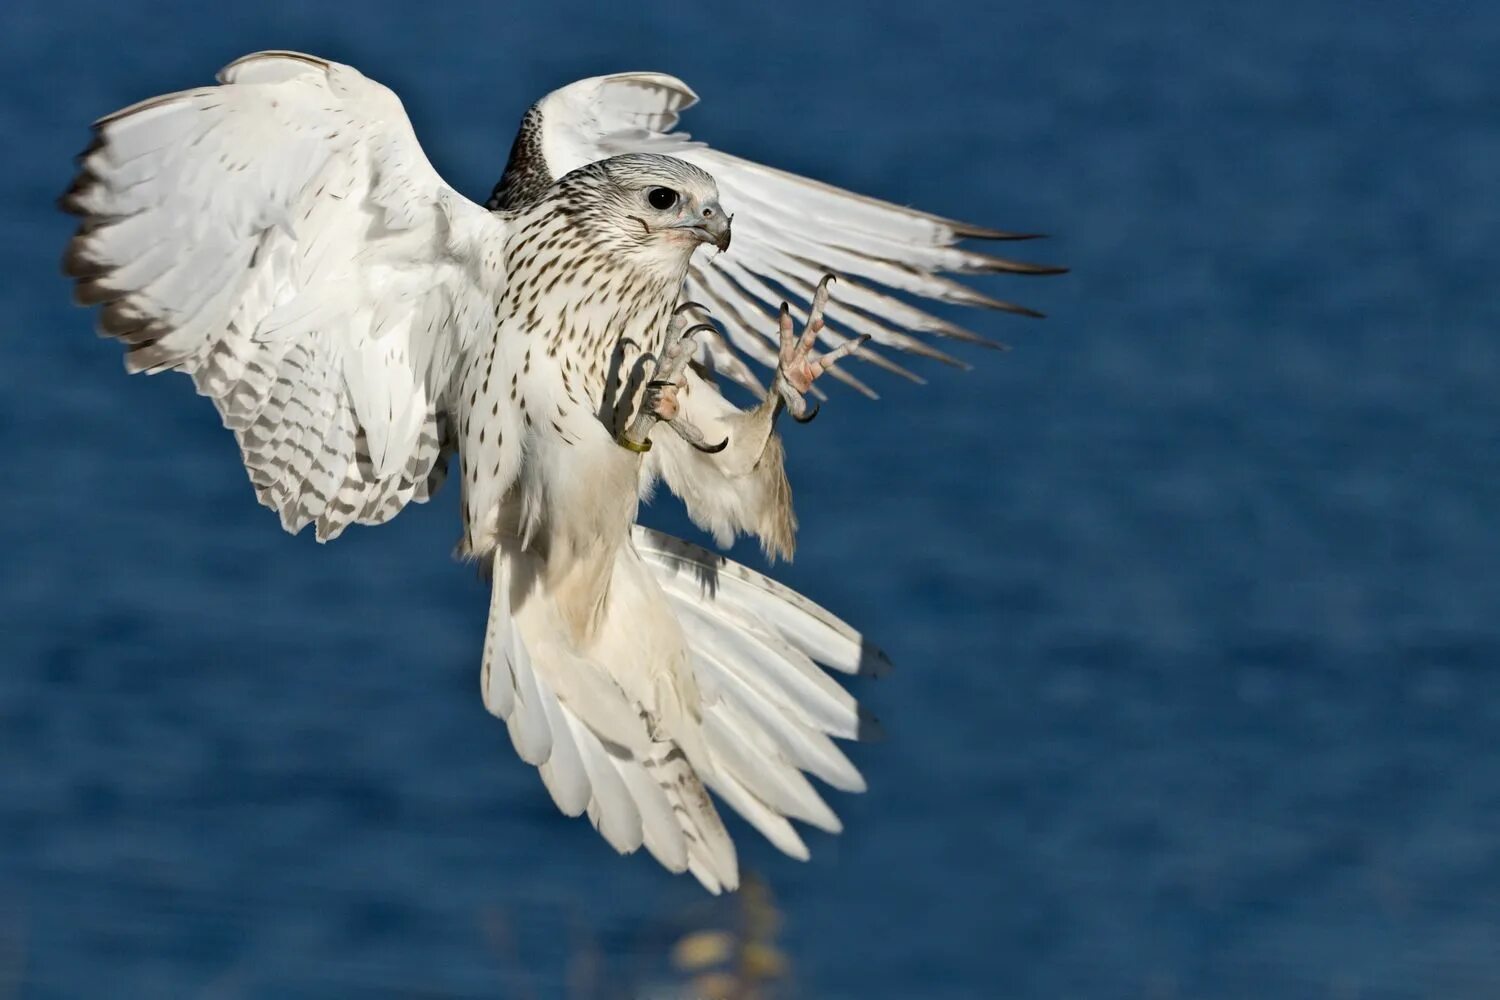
742, 486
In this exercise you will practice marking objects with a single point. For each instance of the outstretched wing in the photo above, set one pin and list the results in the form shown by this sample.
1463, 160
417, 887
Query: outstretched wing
283, 240
788, 230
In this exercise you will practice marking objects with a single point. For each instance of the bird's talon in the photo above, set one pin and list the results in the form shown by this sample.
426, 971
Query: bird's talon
659, 400
797, 368
807, 417
693, 436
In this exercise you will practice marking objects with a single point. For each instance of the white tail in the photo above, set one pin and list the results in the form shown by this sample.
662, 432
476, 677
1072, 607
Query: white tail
633, 745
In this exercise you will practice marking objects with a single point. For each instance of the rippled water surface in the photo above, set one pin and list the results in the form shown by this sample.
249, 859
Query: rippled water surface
1193, 595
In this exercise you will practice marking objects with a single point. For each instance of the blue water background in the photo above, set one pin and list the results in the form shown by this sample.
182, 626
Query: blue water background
1194, 595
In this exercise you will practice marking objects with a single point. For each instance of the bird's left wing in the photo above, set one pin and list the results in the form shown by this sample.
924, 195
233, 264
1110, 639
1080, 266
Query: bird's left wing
788, 231
283, 239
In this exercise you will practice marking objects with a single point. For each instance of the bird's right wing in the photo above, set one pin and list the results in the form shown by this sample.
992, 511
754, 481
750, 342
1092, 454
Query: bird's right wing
283, 239
788, 231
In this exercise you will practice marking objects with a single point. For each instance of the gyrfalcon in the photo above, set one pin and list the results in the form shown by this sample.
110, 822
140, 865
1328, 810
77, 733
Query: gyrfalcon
282, 239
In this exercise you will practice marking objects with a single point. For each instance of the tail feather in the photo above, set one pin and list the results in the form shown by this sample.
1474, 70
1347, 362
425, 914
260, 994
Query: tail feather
496, 682
663, 836
757, 763
596, 752
529, 730
612, 809
808, 748
771, 824
710, 850
639, 754
769, 712
563, 772
773, 667
732, 588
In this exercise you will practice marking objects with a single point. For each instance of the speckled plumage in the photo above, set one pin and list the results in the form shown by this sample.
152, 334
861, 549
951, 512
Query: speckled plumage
526, 178
282, 239
585, 306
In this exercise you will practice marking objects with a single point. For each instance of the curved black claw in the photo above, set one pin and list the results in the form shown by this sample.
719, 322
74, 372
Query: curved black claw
809, 416
690, 331
694, 437
711, 449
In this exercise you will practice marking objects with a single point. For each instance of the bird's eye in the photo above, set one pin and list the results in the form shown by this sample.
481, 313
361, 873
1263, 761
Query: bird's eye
662, 198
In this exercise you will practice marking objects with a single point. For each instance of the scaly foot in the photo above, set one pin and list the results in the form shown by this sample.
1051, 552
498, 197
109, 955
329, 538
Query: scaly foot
659, 401
797, 367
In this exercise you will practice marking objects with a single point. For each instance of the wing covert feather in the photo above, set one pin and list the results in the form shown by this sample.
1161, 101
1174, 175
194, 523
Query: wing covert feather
282, 239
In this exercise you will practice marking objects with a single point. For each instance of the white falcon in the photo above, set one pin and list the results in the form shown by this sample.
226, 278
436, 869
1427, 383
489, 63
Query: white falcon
282, 239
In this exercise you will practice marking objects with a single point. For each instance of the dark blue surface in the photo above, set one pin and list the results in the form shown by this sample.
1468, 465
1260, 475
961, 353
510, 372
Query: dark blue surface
1195, 596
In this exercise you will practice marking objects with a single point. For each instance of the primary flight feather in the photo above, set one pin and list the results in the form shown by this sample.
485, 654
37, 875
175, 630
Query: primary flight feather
283, 240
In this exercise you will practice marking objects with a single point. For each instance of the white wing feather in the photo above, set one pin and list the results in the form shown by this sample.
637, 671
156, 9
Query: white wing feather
283, 240
788, 231
769, 712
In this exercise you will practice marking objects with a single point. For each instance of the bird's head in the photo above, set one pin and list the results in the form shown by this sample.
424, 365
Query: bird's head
656, 208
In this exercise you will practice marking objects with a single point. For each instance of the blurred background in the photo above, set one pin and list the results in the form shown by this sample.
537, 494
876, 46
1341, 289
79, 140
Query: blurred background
1194, 596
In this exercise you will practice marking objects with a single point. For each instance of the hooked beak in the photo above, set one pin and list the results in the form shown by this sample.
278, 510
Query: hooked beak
710, 226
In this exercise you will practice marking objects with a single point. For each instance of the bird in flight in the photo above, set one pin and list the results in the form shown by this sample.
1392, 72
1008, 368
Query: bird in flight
283, 240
